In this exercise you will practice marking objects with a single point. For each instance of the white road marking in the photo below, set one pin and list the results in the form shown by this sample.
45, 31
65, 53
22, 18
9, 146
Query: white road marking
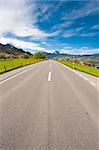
92, 83
85, 78
74, 71
80, 75
49, 76
9, 78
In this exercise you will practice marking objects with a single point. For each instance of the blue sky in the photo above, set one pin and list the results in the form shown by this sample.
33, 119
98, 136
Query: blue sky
44, 25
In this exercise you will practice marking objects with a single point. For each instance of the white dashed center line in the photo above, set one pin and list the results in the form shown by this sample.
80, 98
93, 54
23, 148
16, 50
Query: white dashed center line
49, 76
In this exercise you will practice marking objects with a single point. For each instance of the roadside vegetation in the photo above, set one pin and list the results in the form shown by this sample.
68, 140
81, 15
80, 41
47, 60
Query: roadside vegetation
80, 67
13, 63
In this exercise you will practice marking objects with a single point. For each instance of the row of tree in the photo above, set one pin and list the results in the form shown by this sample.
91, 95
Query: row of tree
39, 55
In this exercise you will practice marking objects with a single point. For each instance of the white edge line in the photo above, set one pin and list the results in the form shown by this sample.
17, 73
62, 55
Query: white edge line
9, 78
49, 76
92, 83
85, 78
79, 74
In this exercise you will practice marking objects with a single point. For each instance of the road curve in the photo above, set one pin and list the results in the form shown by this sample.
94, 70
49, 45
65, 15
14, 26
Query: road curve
48, 107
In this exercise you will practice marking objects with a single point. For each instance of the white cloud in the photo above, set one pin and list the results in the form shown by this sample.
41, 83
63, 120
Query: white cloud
91, 34
25, 31
44, 43
81, 50
88, 50
22, 44
63, 25
72, 32
37, 47
18, 17
47, 10
90, 8
96, 27
68, 34
14, 14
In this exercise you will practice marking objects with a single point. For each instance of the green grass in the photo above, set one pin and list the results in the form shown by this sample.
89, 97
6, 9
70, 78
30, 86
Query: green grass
10, 64
80, 67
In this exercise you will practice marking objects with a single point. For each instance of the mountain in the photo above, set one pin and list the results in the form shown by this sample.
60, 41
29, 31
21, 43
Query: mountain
12, 51
56, 54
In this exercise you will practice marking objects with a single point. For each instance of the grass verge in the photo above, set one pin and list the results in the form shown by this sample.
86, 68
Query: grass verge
80, 67
10, 64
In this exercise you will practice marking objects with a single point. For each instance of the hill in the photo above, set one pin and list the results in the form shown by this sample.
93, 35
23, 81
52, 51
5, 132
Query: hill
11, 51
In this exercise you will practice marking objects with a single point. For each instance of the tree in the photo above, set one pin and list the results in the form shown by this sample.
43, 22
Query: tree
40, 55
3, 56
25, 55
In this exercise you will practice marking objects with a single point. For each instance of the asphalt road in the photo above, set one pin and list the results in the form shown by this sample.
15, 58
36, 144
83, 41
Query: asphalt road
48, 107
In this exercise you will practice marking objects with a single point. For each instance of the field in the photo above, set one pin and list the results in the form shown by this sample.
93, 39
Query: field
10, 64
82, 68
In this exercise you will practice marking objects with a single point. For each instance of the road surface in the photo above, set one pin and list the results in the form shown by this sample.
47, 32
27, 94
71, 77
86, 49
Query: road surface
48, 106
